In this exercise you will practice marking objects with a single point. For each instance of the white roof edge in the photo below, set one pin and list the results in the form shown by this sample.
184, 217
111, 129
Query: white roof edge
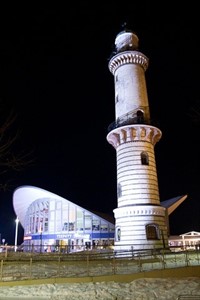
24, 195
191, 233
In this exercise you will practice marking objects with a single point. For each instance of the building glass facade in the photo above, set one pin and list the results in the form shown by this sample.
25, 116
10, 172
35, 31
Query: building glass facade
52, 224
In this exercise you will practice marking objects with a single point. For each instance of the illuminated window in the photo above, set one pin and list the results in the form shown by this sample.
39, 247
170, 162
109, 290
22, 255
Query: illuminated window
95, 224
79, 220
65, 226
71, 226
88, 221
104, 226
72, 217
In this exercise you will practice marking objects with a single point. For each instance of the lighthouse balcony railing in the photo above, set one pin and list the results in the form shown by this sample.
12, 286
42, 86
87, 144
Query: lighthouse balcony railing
131, 121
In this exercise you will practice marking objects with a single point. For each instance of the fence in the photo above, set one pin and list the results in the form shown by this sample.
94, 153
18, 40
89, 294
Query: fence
21, 265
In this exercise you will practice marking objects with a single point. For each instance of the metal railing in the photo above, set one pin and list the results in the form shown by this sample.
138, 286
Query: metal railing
131, 118
32, 265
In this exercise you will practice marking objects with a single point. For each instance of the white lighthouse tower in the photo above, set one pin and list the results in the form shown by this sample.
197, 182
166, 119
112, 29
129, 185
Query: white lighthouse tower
140, 220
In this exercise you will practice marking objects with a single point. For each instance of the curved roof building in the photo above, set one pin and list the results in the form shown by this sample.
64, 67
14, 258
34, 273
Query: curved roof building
53, 223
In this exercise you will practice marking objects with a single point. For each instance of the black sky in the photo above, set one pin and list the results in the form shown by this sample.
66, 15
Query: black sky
54, 74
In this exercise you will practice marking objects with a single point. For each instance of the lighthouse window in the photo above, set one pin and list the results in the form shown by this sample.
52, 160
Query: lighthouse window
144, 158
152, 232
140, 117
119, 190
118, 234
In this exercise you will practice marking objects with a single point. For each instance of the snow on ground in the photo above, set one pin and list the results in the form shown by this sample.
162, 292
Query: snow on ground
146, 289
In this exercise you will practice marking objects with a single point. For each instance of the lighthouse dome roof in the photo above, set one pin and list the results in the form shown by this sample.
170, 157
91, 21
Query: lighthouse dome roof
126, 40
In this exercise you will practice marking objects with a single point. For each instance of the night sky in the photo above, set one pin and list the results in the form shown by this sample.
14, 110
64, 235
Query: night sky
55, 77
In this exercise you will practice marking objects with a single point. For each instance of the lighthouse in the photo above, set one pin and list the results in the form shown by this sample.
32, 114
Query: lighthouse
140, 219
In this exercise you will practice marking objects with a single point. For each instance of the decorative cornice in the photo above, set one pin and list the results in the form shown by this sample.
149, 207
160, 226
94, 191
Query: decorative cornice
139, 211
134, 133
128, 57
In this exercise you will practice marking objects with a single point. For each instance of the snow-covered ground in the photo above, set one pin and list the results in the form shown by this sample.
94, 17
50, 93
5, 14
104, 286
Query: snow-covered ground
146, 289
172, 288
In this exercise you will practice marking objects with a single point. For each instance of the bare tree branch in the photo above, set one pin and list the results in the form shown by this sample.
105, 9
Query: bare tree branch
12, 158
194, 113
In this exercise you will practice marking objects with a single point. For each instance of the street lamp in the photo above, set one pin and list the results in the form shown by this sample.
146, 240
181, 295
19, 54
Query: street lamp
41, 241
16, 232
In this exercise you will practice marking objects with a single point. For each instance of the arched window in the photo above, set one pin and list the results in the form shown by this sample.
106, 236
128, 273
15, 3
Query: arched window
140, 117
144, 158
119, 190
152, 232
118, 234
